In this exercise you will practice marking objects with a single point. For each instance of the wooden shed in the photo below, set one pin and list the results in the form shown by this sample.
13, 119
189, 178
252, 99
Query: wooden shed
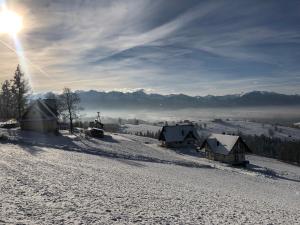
41, 116
179, 135
225, 148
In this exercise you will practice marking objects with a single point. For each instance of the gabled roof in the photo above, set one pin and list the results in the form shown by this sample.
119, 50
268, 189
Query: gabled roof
40, 107
222, 143
178, 133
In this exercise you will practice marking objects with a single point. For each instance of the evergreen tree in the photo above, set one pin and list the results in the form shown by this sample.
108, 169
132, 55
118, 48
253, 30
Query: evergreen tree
6, 100
20, 91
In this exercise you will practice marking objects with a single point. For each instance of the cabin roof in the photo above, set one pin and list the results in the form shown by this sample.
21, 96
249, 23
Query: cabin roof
42, 108
222, 143
177, 133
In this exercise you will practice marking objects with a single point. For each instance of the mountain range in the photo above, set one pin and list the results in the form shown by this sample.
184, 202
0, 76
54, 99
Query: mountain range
140, 100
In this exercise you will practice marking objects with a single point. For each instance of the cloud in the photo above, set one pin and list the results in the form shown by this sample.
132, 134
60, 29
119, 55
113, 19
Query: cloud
168, 46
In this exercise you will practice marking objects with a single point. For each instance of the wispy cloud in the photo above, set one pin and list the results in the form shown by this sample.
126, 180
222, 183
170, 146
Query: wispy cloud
207, 47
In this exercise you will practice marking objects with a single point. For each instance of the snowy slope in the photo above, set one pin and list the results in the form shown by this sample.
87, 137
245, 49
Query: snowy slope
229, 127
132, 129
125, 179
252, 128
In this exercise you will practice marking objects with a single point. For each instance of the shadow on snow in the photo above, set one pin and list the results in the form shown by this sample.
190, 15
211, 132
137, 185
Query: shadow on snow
267, 172
33, 142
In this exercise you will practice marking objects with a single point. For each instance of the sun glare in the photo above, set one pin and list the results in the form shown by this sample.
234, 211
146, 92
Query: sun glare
10, 22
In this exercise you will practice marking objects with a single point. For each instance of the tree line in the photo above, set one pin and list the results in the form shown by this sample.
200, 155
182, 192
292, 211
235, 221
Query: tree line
15, 98
288, 151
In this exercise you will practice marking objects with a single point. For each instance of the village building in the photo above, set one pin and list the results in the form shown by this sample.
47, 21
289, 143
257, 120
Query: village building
297, 125
41, 116
179, 135
225, 148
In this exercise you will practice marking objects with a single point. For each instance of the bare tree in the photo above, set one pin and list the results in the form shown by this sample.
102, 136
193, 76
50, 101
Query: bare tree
69, 106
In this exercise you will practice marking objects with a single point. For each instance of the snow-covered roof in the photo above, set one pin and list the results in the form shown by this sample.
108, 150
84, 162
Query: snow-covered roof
222, 143
297, 124
178, 133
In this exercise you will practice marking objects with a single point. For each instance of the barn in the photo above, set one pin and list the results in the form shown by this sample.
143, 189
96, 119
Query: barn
179, 135
41, 116
225, 148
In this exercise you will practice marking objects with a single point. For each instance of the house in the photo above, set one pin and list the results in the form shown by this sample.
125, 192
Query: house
41, 116
297, 125
183, 135
225, 148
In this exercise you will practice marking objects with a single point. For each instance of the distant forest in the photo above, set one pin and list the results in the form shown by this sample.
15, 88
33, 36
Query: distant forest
288, 151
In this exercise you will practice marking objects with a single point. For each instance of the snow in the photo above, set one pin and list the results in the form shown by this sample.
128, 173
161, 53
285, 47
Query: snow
226, 143
251, 128
133, 129
126, 179
232, 126
178, 132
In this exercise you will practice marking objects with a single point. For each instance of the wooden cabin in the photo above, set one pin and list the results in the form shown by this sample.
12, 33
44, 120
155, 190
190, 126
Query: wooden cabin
41, 116
176, 136
225, 148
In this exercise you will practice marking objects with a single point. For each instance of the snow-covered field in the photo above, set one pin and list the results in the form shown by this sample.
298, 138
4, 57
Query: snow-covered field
253, 128
125, 179
228, 126
132, 129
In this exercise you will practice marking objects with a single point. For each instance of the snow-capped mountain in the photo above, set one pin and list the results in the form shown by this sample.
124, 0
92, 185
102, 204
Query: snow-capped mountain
140, 99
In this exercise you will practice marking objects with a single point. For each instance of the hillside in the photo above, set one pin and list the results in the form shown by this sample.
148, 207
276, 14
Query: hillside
227, 126
125, 179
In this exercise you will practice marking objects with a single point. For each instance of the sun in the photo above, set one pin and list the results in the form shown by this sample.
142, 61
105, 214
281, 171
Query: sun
10, 22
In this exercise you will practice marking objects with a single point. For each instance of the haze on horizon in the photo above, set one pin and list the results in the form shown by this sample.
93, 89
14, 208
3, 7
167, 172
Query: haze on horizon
192, 47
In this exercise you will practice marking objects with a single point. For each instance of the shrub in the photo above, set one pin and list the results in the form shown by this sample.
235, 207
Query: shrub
3, 137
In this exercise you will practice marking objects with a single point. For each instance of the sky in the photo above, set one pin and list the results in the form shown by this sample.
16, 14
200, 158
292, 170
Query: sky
162, 46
